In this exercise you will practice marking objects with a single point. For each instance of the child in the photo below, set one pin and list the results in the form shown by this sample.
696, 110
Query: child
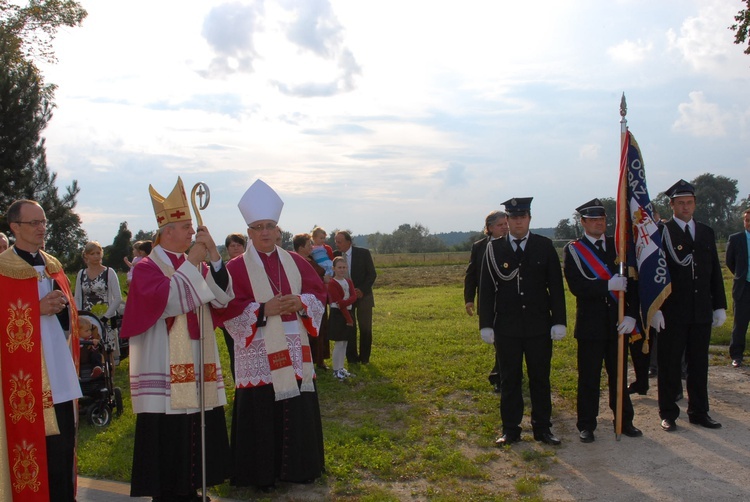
141, 249
90, 353
340, 322
322, 252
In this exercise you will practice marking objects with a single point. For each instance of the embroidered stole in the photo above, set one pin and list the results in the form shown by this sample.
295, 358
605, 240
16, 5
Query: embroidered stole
27, 414
277, 349
183, 385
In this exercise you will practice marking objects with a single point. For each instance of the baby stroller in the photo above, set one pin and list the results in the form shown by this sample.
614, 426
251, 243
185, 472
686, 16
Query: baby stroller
100, 397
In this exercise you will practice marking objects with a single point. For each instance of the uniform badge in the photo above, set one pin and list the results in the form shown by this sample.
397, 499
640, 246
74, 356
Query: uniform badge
679, 247
505, 265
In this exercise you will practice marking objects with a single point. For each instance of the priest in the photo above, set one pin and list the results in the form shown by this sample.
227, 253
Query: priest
279, 300
162, 320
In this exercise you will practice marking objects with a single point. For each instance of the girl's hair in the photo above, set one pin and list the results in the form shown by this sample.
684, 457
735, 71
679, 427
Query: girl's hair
338, 259
144, 246
92, 246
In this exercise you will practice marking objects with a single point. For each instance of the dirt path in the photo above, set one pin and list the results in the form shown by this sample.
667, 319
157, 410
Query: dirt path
689, 464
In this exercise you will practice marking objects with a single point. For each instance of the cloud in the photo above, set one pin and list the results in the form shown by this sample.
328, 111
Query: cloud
315, 27
229, 30
589, 152
630, 52
700, 118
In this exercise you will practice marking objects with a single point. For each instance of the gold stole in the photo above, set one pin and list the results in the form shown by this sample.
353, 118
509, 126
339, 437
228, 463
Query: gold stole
183, 387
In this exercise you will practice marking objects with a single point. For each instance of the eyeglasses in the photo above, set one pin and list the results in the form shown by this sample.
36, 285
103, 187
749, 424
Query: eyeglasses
33, 223
260, 227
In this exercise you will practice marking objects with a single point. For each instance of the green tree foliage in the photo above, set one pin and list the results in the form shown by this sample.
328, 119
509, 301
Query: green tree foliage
408, 239
25, 109
120, 248
564, 230
741, 28
142, 235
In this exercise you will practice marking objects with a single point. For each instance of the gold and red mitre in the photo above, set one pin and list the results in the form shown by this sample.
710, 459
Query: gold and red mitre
173, 208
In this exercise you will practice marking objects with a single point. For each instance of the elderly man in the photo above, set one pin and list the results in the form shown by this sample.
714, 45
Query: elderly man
362, 272
172, 292
592, 277
37, 421
495, 226
738, 263
697, 303
276, 426
522, 303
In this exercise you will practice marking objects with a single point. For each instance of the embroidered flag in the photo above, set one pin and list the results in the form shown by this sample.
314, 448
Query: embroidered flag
645, 257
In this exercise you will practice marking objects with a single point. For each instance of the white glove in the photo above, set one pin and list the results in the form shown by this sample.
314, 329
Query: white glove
558, 332
657, 321
626, 326
617, 283
720, 316
488, 335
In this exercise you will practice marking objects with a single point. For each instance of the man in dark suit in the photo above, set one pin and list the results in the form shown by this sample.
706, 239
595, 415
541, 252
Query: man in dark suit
697, 303
495, 226
362, 272
737, 262
594, 280
523, 305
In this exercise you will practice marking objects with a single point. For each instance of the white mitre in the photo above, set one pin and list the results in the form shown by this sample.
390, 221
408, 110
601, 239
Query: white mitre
260, 202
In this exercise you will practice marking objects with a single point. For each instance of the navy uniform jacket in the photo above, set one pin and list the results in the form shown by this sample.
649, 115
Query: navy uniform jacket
474, 270
596, 310
737, 262
530, 303
697, 288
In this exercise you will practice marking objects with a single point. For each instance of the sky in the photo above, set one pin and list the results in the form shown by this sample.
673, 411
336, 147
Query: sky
365, 115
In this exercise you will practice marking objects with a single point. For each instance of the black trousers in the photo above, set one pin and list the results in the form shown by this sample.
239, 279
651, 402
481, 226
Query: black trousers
61, 455
538, 354
693, 341
362, 315
741, 320
591, 354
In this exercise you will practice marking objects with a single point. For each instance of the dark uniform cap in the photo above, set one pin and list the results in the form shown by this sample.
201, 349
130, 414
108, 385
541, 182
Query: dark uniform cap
518, 205
680, 189
592, 209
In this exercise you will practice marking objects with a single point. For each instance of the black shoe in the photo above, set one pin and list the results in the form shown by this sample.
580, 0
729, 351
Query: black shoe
669, 425
546, 437
507, 438
636, 388
267, 488
631, 431
736, 363
705, 421
652, 373
586, 436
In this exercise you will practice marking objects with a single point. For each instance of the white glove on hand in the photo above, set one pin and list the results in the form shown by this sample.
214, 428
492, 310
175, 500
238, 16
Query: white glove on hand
617, 283
558, 332
626, 326
720, 316
488, 335
657, 322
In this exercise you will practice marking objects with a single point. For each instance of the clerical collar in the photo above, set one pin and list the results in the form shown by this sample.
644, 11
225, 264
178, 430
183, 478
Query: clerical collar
33, 259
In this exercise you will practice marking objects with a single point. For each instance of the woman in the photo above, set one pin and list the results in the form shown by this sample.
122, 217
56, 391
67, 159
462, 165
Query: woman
320, 348
99, 285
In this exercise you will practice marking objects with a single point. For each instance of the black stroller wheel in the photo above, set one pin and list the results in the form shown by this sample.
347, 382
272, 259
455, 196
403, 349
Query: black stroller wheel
100, 414
118, 402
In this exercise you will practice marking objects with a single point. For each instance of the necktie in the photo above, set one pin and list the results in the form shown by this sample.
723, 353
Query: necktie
688, 235
519, 249
600, 245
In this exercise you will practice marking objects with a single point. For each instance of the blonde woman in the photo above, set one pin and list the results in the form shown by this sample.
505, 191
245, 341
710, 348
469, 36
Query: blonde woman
99, 285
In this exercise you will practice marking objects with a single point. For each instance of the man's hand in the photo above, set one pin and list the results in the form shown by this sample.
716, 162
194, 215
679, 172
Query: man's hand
470, 308
720, 317
53, 303
657, 321
558, 332
359, 293
626, 326
487, 334
202, 236
282, 305
617, 283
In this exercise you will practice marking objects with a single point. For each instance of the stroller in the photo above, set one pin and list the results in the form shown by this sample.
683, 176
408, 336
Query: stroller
100, 397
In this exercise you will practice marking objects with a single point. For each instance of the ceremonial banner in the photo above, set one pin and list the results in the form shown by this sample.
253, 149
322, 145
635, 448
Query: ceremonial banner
645, 257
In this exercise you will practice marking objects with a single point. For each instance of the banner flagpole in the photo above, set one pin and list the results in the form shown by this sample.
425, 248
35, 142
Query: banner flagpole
201, 189
621, 255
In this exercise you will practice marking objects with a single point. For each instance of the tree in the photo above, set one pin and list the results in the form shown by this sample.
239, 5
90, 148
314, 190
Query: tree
564, 230
741, 28
25, 109
142, 235
119, 249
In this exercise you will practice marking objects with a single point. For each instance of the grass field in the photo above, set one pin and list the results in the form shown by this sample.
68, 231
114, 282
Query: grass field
419, 421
